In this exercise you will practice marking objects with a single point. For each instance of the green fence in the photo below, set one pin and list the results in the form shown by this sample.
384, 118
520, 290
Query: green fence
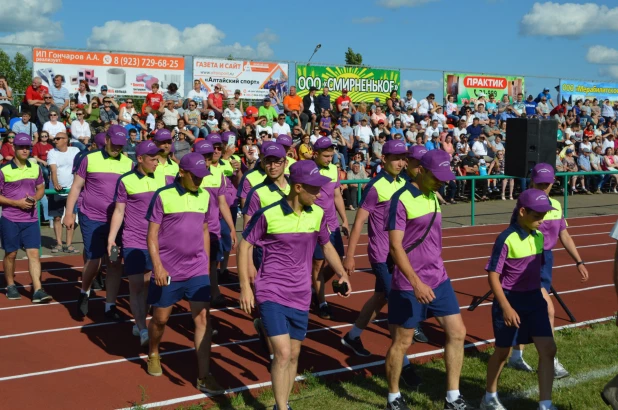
473, 178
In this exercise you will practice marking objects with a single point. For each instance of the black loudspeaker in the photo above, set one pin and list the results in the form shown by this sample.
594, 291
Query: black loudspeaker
529, 141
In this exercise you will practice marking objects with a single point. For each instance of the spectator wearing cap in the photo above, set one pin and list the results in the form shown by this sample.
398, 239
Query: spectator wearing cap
520, 311
114, 104
331, 202
433, 142
215, 101
95, 185
21, 187
420, 278
285, 309
545, 96
267, 111
178, 246
439, 115
381, 129
344, 101
134, 192
198, 95
310, 108
167, 169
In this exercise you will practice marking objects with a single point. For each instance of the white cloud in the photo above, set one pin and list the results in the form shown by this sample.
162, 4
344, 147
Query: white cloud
395, 4
569, 19
368, 20
421, 85
267, 36
602, 55
150, 36
611, 71
29, 21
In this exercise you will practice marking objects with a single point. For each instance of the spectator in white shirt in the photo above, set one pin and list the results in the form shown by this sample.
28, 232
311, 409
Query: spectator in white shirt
460, 130
407, 118
480, 148
452, 110
233, 114
363, 132
409, 102
438, 115
198, 95
53, 126
433, 127
80, 131
425, 106
280, 126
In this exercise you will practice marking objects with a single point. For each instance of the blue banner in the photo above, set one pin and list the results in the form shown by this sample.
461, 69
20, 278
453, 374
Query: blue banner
571, 90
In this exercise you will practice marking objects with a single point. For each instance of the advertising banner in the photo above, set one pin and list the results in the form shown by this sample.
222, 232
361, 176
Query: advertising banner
472, 86
123, 74
362, 83
252, 78
571, 90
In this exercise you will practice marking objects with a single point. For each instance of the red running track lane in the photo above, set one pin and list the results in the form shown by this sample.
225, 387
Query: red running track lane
75, 362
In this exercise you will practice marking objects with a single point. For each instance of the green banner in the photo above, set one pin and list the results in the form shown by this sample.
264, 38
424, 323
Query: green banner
472, 86
362, 83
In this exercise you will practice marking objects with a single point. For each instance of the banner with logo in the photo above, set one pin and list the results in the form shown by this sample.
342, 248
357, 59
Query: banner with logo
571, 90
362, 83
123, 74
472, 86
252, 78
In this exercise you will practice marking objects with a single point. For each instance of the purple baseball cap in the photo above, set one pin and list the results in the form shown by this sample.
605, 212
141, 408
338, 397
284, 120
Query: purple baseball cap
534, 199
417, 152
307, 172
163, 135
394, 147
195, 164
274, 150
117, 135
99, 140
439, 163
203, 147
214, 139
284, 140
543, 174
225, 137
147, 148
323, 143
22, 139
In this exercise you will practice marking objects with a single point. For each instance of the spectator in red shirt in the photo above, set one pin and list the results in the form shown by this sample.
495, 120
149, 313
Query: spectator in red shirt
562, 108
34, 95
39, 152
215, 101
345, 102
154, 98
8, 150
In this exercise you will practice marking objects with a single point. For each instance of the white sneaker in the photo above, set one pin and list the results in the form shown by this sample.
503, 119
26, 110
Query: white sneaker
520, 364
492, 404
559, 371
135, 330
143, 337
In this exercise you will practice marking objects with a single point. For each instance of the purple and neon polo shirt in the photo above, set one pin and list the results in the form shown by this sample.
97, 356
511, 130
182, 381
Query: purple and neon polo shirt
552, 225
262, 195
167, 168
215, 185
136, 191
181, 215
17, 183
249, 180
288, 241
326, 200
376, 200
411, 212
101, 172
517, 256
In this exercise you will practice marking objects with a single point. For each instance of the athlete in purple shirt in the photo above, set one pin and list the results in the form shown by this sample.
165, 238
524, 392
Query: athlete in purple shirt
134, 191
21, 187
288, 231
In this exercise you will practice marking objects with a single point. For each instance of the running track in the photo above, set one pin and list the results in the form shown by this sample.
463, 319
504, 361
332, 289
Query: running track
63, 363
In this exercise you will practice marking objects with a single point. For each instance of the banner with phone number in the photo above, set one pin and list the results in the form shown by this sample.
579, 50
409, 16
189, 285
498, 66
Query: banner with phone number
123, 74
472, 86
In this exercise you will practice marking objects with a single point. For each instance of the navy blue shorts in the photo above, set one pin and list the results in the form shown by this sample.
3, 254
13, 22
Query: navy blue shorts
546, 274
383, 278
405, 311
94, 234
281, 320
216, 254
258, 253
226, 236
17, 235
196, 289
136, 261
533, 317
336, 240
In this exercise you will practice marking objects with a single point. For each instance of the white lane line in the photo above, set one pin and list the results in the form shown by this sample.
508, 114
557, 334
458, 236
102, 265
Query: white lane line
200, 396
499, 232
506, 224
239, 342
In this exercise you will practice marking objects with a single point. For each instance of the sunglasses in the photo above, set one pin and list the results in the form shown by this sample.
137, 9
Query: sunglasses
59, 138
47, 98
53, 115
129, 102
218, 148
80, 113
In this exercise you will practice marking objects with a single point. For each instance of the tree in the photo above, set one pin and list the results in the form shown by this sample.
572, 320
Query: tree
17, 71
352, 58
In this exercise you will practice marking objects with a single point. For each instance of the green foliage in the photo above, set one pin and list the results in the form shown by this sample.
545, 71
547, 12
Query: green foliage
17, 71
352, 58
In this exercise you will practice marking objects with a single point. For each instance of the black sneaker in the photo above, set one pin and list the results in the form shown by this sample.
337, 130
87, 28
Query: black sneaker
82, 304
356, 345
324, 312
114, 314
224, 276
97, 283
40, 296
459, 404
409, 377
398, 404
12, 293
419, 336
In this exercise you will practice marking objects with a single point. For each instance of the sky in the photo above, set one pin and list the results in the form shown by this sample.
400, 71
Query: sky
423, 38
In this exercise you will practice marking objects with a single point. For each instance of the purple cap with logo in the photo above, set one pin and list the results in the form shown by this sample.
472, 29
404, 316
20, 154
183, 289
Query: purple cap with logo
534, 199
417, 152
542, 174
22, 139
214, 139
323, 143
163, 135
117, 135
225, 137
307, 172
99, 139
203, 147
394, 147
147, 148
274, 150
439, 163
195, 164
284, 140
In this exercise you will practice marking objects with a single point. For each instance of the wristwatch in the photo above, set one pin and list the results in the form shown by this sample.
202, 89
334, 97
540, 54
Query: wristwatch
581, 263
